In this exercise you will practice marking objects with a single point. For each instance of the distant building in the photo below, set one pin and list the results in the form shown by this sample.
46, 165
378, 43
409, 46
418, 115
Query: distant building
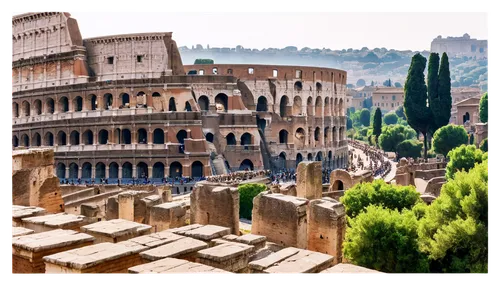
388, 98
460, 46
467, 114
458, 94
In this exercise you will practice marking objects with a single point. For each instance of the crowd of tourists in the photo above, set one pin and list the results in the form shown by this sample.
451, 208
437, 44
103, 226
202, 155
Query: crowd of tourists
375, 157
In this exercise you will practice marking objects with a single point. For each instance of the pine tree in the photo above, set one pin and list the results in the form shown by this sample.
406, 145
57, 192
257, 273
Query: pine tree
377, 123
415, 104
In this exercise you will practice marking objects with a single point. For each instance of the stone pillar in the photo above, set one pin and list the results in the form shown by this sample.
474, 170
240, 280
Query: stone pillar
150, 171
93, 172
95, 137
309, 180
150, 137
79, 172
134, 171
119, 172
100, 102
166, 137
134, 137
326, 224
106, 172
66, 173
126, 206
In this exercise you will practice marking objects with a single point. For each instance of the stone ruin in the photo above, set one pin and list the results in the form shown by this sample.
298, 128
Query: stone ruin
33, 180
341, 181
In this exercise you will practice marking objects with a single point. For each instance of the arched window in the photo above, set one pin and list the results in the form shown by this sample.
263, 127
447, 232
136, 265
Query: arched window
197, 169
142, 136
36, 140
221, 102
188, 107
175, 169
61, 138
63, 104
341, 107
316, 134
300, 138
26, 108
171, 104
126, 137
230, 139
86, 171
15, 141
158, 170
181, 135
297, 86
142, 170
298, 159
141, 99
319, 87
61, 170
309, 157
204, 103
88, 137
103, 136
334, 134
319, 156
309, 106
108, 101
125, 99
15, 109
93, 101
246, 165
246, 139
262, 104
49, 106
100, 170
73, 171
156, 94
113, 170
318, 106
297, 105
74, 138
283, 106
127, 170
38, 106
326, 132
210, 137
26, 140
327, 107
283, 136
158, 136
78, 103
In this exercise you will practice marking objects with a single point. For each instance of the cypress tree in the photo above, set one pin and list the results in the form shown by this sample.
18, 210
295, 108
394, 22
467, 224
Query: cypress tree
432, 89
377, 123
443, 113
415, 104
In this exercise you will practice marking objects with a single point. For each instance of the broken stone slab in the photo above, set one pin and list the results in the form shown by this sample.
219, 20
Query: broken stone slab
273, 258
185, 248
229, 256
302, 263
19, 231
349, 268
258, 241
203, 232
98, 258
55, 221
173, 265
116, 230
168, 215
20, 212
155, 239
50, 239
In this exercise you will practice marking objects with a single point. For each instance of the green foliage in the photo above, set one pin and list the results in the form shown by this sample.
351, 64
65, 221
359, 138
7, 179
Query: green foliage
441, 111
360, 82
387, 83
401, 113
392, 135
204, 62
484, 145
385, 240
364, 117
463, 158
483, 108
349, 123
418, 113
390, 118
432, 84
448, 137
410, 149
379, 193
397, 84
367, 102
454, 230
377, 122
247, 193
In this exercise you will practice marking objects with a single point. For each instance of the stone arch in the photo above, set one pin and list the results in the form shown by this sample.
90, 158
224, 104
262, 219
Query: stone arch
158, 136
246, 165
318, 105
88, 137
466, 117
181, 135
100, 170
158, 170
341, 107
25, 140
319, 86
113, 170
327, 107
63, 105
171, 104
326, 135
73, 171
175, 169
297, 86
36, 140
61, 170
299, 139
297, 106
284, 106
125, 99
283, 136
187, 107
156, 94
15, 141
49, 106
78, 103
37, 105
74, 138
141, 99
142, 136
86, 170
310, 106
298, 159
103, 136
221, 100
210, 137
108, 101
92, 100
319, 156
126, 137
26, 108
48, 139
61, 138
197, 169
142, 170
340, 176
334, 134
127, 170
246, 139
317, 134
15, 109
336, 107
309, 157
230, 139
204, 103
261, 104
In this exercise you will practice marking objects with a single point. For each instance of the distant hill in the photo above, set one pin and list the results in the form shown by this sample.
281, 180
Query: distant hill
376, 65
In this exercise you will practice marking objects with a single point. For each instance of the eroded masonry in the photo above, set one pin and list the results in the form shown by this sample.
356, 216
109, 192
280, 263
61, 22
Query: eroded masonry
124, 107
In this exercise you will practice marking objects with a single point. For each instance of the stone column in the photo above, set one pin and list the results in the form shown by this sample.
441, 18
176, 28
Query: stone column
134, 171
79, 172
93, 172
66, 173
119, 172
126, 206
100, 102
166, 136
150, 171
106, 172
150, 137
95, 138
309, 180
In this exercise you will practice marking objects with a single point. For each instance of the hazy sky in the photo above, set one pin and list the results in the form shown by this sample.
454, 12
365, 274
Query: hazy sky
401, 31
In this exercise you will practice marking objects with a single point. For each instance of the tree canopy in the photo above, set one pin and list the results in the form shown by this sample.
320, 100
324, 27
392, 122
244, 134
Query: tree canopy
441, 111
385, 240
390, 118
364, 117
417, 111
379, 193
409, 149
394, 134
377, 123
484, 145
204, 62
463, 158
483, 108
448, 137
454, 230
400, 112
247, 193
360, 82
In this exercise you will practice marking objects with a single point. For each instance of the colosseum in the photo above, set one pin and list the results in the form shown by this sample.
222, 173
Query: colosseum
124, 107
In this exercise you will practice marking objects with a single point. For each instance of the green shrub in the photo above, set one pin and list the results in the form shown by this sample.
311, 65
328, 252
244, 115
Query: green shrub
484, 145
410, 149
448, 137
463, 158
247, 193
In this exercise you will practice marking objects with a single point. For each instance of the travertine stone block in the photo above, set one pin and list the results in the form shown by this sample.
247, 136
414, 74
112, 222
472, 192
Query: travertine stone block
19, 231
309, 184
20, 212
184, 248
56, 221
228, 256
202, 232
167, 215
173, 265
349, 268
292, 260
115, 230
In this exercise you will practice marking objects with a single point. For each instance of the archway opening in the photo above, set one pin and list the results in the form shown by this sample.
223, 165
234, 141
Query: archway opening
319, 156
61, 170
78, 103
262, 104
26, 140
197, 169
63, 104
309, 106
284, 106
26, 108
158, 170
221, 102
93, 102
316, 134
15, 109
113, 170
188, 107
73, 171
246, 165
127, 170
100, 171
230, 139
297, 105
142, 170
126, 137
171, 104
61, 138
103, 136
309, 157
125, 99
338, 185
175, 170
49, 139
88, 137
38, 107
49, 106
204, 103
283, 136
246, 139
300, 138
210, 137
181, 135
298, 159
15, 141
86, 171
158, 136
74, 138
319, 86
37, 140
142, 136
108, 101
297, 86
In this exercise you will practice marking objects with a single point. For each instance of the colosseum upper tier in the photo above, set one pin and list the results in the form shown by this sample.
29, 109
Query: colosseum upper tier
124, 106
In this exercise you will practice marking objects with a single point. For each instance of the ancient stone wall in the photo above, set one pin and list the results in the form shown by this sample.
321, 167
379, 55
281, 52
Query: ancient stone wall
215, 205
34, 182
309, 184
